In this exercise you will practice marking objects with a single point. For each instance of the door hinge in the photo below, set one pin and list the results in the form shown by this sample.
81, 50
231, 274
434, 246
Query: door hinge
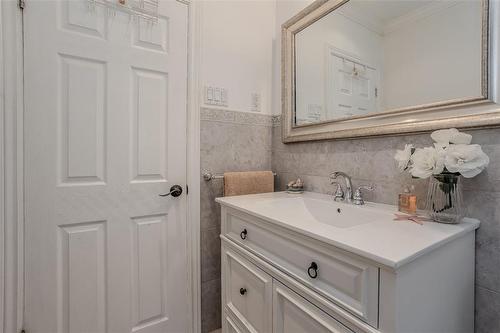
22, 4
187, 189
376, 92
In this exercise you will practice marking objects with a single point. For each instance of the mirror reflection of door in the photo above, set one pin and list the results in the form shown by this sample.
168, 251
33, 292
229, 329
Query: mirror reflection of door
351, 87
367, 57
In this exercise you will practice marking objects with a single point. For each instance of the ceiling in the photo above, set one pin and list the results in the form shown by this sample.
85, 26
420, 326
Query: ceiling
386, 11
381, 15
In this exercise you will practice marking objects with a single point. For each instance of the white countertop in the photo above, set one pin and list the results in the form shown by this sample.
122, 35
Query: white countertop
375, 235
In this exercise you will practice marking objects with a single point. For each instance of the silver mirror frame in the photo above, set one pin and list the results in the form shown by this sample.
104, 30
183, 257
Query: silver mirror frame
475, 112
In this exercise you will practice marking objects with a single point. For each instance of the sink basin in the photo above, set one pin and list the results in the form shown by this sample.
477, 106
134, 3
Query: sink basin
368, 230
340, 215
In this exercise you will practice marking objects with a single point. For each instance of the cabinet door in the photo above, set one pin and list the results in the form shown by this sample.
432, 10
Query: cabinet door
294, 314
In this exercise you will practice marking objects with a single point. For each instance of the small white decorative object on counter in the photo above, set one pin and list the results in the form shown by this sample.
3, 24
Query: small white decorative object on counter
452, 156
295, 187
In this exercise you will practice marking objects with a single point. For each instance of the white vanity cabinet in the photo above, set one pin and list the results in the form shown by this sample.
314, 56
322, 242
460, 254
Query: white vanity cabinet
283, 272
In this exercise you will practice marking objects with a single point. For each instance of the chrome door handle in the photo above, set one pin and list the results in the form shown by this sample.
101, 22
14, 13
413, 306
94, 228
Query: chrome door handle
175, 191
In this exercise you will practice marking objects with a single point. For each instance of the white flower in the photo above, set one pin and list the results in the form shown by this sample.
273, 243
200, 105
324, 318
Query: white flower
403, 157
444, 137
441, 145
427, 161
461, 138
468, 160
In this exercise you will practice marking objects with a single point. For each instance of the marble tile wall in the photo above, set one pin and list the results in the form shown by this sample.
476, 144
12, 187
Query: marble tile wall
370, 161
233, 141
230, 141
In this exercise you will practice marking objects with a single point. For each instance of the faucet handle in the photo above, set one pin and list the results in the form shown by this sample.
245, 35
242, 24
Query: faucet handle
333, 175
339, 192
357, 198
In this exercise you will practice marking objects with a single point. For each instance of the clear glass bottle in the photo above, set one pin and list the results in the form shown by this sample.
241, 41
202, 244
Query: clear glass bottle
407, 202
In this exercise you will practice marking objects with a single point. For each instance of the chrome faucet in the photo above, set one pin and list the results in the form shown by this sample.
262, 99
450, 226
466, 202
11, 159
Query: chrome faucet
356, 198
348, 185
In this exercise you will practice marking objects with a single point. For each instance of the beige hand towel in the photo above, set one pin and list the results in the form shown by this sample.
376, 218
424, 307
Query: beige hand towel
250, 182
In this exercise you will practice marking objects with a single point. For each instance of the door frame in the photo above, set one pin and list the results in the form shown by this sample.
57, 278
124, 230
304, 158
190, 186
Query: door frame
12, 171
11, 166
193, 163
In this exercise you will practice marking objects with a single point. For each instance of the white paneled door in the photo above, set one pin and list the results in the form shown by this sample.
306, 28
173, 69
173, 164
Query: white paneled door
352, 89
105, 134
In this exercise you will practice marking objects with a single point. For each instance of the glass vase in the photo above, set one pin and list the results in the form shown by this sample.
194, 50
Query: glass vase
444, 198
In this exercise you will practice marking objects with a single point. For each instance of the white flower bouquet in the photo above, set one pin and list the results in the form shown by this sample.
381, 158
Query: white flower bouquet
452, 153
452, 156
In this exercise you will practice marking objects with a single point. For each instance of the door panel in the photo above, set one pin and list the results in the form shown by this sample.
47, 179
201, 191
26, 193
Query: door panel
82, 257
82, 118
149, 121
105, 134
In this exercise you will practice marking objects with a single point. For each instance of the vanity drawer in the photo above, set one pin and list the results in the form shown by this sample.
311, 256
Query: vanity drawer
247, 292
292, 313
344, 279
231, 325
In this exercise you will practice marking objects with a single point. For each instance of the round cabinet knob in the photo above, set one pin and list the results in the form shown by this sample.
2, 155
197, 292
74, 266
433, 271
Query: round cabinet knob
312, 271
243, 291
243, 234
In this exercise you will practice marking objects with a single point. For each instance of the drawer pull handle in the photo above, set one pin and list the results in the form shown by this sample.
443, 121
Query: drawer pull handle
243, 291
243, 234
312, 271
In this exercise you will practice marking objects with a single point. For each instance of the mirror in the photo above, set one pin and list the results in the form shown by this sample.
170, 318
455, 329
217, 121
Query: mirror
373, 56
350, 64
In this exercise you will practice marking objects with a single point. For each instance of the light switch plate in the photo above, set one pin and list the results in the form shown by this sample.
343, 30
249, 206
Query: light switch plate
255, 102
223, 96
209, 95
215, 96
